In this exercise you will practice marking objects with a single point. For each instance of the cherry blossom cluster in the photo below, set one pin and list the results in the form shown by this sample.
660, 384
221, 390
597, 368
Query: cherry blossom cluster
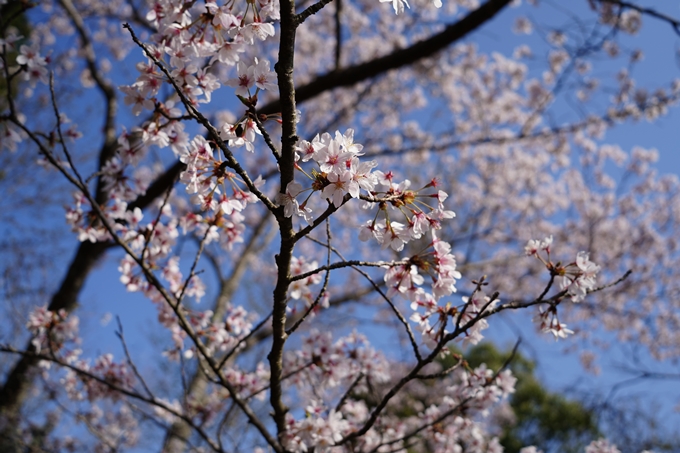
577, 277
328, 364
215, 188
213, 185
548, 322
473, 393
52, 330
301, 289
220, 335
475, 305
460, 429
155, 242
342, 173
320, 429
132, 147
419, 216
258, 76
244, 131
188, 36
33, 65
115, 376
121, 187
84, 222
627, 20
484, 387
439, 263
219, 193
10, 136
252, 384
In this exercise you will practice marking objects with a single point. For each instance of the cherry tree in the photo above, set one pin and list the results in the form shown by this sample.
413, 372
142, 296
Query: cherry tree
266, 173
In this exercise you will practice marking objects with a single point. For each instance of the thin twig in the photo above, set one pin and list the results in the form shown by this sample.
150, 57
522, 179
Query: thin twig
192, 271
313, 9
324, 288
147, 240
283, 378
396, 311
265, 134
262, 322
53, 98
319, 220
119, 334
347, 393
442, 373
343, 264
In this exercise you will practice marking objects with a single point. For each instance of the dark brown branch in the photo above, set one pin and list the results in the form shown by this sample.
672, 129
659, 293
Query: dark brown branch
445, 372
131, 363
284, 71
338, 34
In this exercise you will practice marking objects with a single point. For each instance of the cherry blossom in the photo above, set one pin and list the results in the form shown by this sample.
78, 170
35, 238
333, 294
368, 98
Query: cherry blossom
251, 261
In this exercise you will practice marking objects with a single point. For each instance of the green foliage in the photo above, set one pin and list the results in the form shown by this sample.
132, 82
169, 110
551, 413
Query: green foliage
547, 420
